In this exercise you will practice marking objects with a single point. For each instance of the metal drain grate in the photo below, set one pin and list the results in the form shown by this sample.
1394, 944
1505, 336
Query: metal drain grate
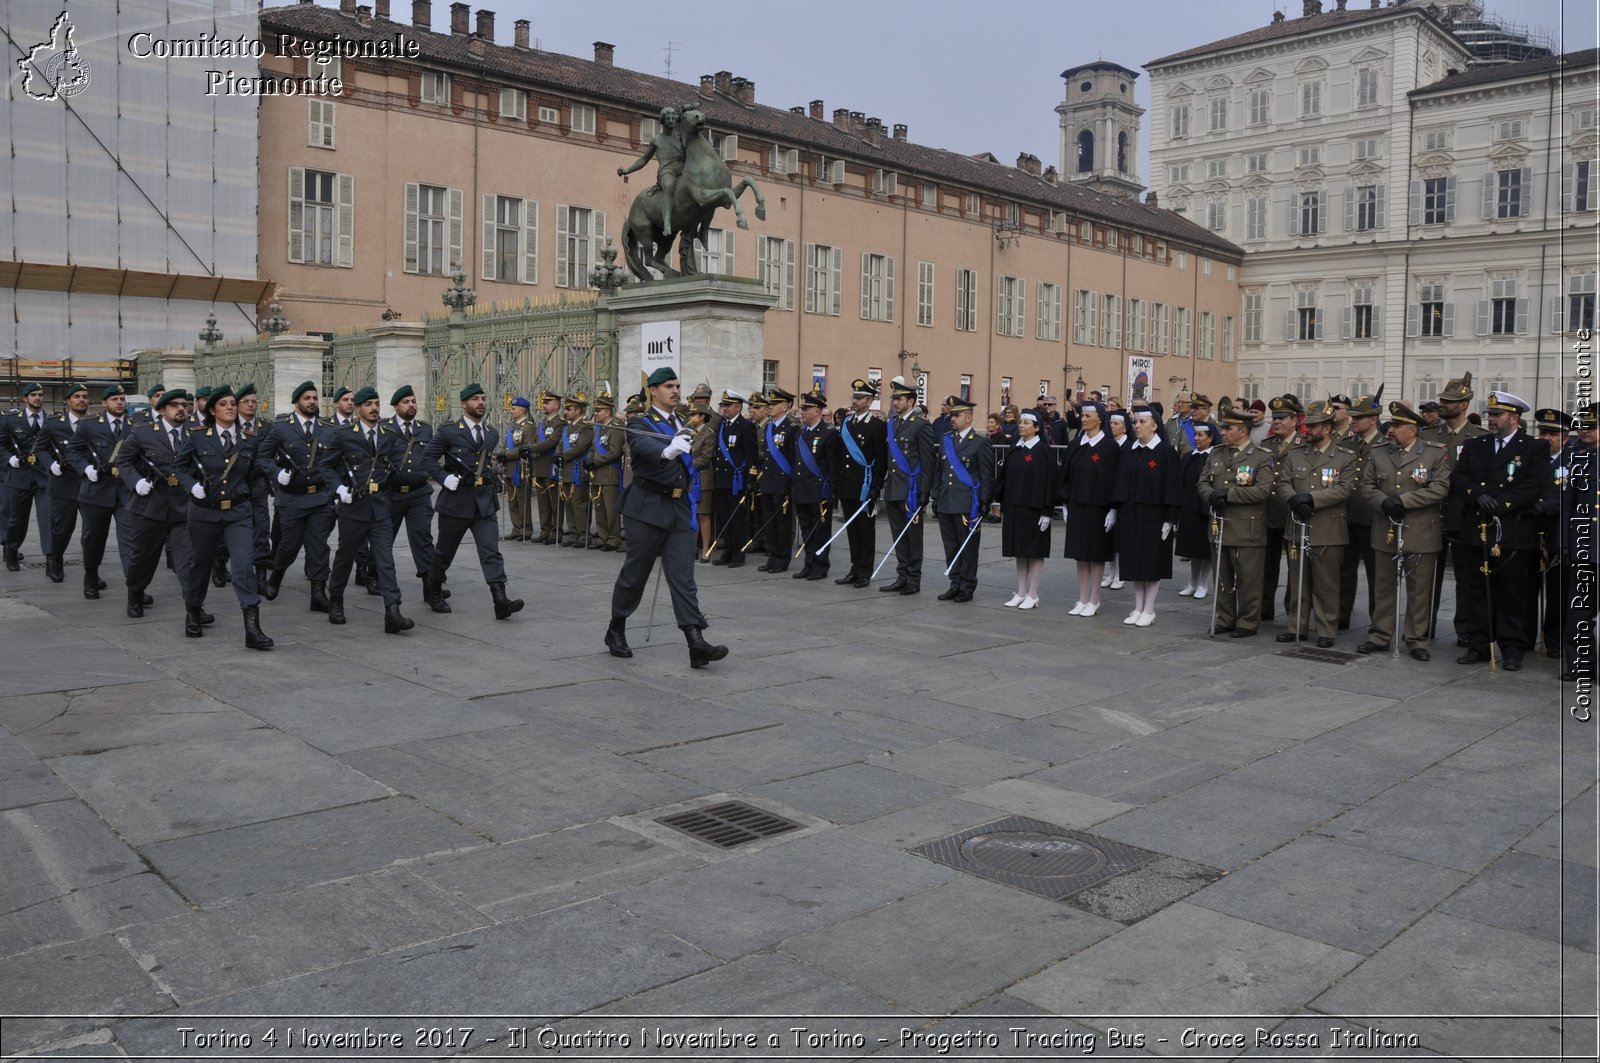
728, 825
1040, 858
1311, 653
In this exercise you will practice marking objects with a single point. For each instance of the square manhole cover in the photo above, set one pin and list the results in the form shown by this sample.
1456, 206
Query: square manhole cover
1040, 858
729, 824
1311, 653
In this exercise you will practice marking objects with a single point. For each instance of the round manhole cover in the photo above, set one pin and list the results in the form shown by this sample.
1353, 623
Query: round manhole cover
1033, 854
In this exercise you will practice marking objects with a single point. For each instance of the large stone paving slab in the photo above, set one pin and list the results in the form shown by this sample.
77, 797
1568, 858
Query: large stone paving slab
1532, 895
750, 758
1444, 827
959, 763
853, 792
1568, 835
1221, 822
623, 717
24, 780
75, 981
1130, 774
133, 714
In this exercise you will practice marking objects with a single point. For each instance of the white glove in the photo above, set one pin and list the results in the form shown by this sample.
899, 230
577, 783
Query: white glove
1111, 520
142, 488
1044, 522
16, 462
452, 482
680, 445
284, 476
344, 494
92, 473
1166, 532
55, 468
198, 491
1063, 512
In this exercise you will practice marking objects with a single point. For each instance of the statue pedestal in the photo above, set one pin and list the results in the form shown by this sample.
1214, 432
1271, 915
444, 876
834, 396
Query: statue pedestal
721, 330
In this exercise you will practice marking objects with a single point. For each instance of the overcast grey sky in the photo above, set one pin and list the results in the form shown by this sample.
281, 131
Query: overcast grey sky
965, 76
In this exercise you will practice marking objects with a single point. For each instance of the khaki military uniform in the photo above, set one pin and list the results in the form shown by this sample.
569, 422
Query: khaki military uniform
1420, 476
1247, 476
519, 485
541, 466
1277, 523
1331, 477
1359, 556
573, 450
605, 480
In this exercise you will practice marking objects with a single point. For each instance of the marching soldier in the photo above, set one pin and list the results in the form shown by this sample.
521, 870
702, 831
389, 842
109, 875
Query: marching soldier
1578, 531
1286, 411
1316, 478
299, 455
1554, 550
777, 480
858, 479
410, 490
912, 457
458, 458
1362, 438
1500, 479
760, 417
1235, 486
733, 470
368, 456
56, 442
660, 523
343, 413
1404, 483
160, 507
29, 475
519, 496
963, 481
576, 440
604, 467
148, 414
250, 427
202, 402
815, 446
702, 450
216, 468
1453, 430
102, 493
539, 450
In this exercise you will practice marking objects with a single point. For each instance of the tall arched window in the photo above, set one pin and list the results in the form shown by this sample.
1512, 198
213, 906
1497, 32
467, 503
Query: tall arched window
1085, 152
1122, 153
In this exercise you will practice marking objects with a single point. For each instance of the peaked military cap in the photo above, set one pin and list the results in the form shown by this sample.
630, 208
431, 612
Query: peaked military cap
759, 400
1285, 406
1237, 415
731, 397
577, 398
1505, 402
1584, 420
1400, 413
1200, 400
863, 389
1457, 390
779, 395
899, 389
814, 399
957, 404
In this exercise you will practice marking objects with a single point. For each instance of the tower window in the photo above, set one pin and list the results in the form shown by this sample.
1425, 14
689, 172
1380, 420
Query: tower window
1122, 153
1085, 152
1086, 86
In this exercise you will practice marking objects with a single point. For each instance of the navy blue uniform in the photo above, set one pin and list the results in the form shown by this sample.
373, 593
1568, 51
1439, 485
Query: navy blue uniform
288, 450
858, 477
466, 451
55, 445
733, 468
777, 477
911, 446
1499, 488
815, 455
160, 515
411, 493
366, 464
22, 442
103, 494
659, 517
224, 469
963, 485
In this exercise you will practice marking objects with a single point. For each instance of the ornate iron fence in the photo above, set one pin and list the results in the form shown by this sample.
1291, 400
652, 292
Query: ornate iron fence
241, 362
350, 361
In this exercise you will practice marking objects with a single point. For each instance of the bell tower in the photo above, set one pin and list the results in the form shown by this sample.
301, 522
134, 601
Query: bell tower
1100, 128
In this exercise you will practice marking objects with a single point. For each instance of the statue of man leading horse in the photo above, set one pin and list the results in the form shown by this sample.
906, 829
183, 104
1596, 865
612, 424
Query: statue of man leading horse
692, 182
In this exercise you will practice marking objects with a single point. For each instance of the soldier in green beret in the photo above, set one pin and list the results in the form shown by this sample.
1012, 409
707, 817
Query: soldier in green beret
368, 457
29, 476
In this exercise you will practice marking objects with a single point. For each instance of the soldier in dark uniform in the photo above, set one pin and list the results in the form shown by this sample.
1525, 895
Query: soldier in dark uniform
369, 453
149, 461
1579, 525
458, 458
1235, 486
299, 455
410, 490
102, 493
1500, 479
603, 466
962, 486
1554, 553
702, 450
1284, 433
777, 480
577, 436
858, 479
760, 417
343, 413
1316, 479
519, 486
216, 467
815, 458
1362, 438
251, 426
913, 453
733, 470
1404, 482
29, 475
539, 448
148, 414
55, 445
202, 402
661, 524
1459, 556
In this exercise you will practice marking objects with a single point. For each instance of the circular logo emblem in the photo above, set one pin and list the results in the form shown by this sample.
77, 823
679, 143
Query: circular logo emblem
68, 72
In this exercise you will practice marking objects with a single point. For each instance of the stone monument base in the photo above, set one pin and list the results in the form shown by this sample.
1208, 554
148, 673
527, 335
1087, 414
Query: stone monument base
721, 330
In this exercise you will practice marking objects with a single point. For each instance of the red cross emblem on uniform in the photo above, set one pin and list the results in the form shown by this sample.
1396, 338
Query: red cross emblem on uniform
1152, 463
1027, 457
1094, 457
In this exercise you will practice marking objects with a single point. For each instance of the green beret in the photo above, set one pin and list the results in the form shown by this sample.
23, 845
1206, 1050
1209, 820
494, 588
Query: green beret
471, 390
172, 396
244, 390
151, 394
221, 391
202, 392
73, 389
305, 386
662, 376
29, 389
111, 392
402, 392
340, 393
366, 395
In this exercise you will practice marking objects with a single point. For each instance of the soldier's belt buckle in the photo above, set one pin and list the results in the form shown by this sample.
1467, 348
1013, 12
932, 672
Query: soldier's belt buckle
172, 481
372, 488
225, 505
33, 459
405, 490
311, 489
677, 492
115, 471
477, 481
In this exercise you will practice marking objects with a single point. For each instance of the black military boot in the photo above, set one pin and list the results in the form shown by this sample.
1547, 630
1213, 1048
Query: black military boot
335, 608
617, 638
701, 652
135, 603
13, 560
254, 637
206, 619
261, 577
371, 582
503, 606
91, 585
269, 587
319, 596
52, 568
219, 574
192, 627
394, 622
434, 596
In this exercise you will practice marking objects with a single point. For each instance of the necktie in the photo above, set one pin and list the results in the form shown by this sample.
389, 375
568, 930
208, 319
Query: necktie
477, 435
406, 428
372, 441
34, 420
116, 426
174, 440
307, 426
227, 441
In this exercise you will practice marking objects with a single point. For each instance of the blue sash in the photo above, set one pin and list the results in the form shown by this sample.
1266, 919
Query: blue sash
577, 469
665, 428
904, 466
859, 458
804, 450
738, 473
960, 472
516, 466
777, 455
599, 442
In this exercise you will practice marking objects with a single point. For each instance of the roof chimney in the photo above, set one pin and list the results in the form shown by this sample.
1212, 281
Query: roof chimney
421, 13
604, 53
858, 123
744, 90
708, 84
1150, 199
381, 9
486, 24
900, 131
1312, 7
816, 109
347, 7
1340, 4
1277, 16
874, 130
723, 80
841, 117
1028, 164
364, 15
460, 17
1050, 175
519, 33
799, 110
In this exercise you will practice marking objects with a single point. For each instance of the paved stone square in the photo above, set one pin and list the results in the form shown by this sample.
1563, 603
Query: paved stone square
462, 822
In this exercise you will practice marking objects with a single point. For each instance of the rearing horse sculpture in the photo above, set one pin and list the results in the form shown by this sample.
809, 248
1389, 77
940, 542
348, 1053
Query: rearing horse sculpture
705, 185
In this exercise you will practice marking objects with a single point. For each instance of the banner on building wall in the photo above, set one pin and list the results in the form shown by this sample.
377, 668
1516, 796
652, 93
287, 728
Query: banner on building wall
819, 379
1005, 392
1044, 388
875, 378
658, 347
922, 391
1140, 369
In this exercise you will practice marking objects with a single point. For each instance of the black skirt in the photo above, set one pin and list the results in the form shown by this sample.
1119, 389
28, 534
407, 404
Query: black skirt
1144, 556
1020, 536
1194, 536
1086, 537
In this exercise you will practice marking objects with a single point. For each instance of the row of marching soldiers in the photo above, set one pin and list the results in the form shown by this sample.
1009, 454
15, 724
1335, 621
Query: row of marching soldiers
191, 478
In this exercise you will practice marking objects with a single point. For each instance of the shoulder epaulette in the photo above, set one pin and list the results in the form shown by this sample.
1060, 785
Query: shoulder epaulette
1434, 443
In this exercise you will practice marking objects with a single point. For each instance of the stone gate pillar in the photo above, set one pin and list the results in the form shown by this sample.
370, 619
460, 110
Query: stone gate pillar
720, 326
